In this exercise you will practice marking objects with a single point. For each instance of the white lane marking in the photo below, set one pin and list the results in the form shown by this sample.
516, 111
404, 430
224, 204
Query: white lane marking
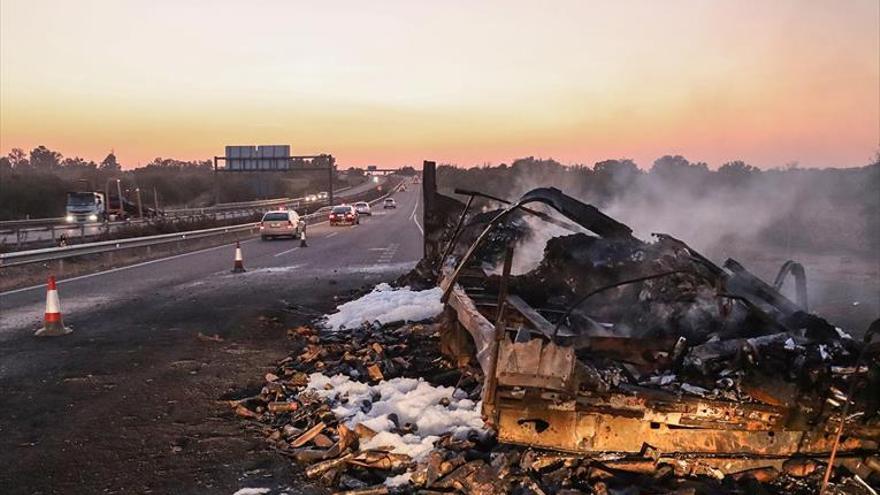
114, 270
288, 251
388, 253
331, 234
413, 216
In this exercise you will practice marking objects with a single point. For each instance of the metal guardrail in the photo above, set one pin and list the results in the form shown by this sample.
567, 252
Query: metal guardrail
17, 258
19, 232
49, 254
6, 224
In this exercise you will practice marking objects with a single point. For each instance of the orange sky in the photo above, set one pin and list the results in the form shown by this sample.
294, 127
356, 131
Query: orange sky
396, 82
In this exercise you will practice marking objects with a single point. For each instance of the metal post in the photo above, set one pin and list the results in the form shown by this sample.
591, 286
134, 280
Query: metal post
119, 192
429, 189
155, 200
216, 186
137, 191
331, 167
492, 376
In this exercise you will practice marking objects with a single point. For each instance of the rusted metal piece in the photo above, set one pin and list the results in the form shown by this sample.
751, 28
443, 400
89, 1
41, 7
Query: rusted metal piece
590, 432
491, 382
538, 364
481, 330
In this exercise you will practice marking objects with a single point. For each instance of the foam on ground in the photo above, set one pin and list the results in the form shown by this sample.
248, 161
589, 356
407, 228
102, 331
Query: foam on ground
412, 400
385, 305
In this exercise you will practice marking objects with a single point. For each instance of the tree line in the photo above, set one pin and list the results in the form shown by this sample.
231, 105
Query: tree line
34, 184
827, 210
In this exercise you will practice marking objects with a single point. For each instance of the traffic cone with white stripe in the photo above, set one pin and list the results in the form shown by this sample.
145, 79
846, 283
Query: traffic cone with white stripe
302, 238
53, 325
238, 266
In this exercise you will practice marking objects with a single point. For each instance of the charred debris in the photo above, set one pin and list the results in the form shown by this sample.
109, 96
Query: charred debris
614, 366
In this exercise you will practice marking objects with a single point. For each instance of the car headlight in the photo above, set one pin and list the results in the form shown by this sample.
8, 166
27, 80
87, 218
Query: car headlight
70, 218
93, 218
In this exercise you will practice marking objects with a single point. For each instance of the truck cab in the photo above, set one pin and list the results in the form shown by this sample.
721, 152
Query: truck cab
84, 207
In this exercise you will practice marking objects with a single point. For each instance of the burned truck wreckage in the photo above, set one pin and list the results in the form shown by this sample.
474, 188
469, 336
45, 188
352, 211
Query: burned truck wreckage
615, 346
610, 365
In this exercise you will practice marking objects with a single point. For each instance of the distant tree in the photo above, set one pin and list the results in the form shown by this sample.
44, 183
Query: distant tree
737, 168
18, 158
5, 164
43, 158
77, 162
623, 167
676, 163
109, 164
677, 169
407, 170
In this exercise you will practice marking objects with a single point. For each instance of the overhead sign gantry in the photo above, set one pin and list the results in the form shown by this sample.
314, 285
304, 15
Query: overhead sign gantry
273, 158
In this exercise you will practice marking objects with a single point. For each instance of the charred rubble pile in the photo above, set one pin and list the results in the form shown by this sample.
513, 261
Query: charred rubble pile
648, 351
298, 412
612, 366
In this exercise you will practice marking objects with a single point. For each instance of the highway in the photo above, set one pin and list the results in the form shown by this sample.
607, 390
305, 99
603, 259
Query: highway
77, 230
127, 403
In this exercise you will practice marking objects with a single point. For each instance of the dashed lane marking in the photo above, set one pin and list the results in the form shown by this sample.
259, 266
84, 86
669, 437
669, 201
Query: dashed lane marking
287, 251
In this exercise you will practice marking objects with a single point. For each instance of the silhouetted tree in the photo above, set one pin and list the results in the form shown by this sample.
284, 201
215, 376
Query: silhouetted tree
109, 164
738, 168
77, 162
18, 159
43, 158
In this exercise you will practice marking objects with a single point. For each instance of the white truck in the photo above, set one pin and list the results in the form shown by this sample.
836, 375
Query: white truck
84, 207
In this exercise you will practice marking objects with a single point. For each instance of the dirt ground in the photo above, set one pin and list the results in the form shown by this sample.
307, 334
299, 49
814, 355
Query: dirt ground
131, 406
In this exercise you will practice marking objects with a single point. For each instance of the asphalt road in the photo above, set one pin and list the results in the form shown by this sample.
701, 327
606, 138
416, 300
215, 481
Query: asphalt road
128, 403
77, 230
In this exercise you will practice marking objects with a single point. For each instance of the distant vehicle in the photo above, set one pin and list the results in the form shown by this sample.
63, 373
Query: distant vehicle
323, 195
281, 223
363, 208
311, 198
344, 214
85, 207
389, 203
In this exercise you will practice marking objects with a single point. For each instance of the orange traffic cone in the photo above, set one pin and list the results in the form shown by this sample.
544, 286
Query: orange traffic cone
302, 238
53, 326
238, 267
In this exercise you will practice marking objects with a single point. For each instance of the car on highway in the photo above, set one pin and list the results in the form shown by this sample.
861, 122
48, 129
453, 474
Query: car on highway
344, 214
281, 223
363, 208
311, 198
389, 203
323, 195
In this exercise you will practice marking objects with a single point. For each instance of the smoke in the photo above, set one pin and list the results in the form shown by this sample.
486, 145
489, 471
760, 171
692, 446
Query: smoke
827, 219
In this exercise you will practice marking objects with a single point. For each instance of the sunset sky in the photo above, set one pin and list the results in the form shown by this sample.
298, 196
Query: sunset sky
466, 82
